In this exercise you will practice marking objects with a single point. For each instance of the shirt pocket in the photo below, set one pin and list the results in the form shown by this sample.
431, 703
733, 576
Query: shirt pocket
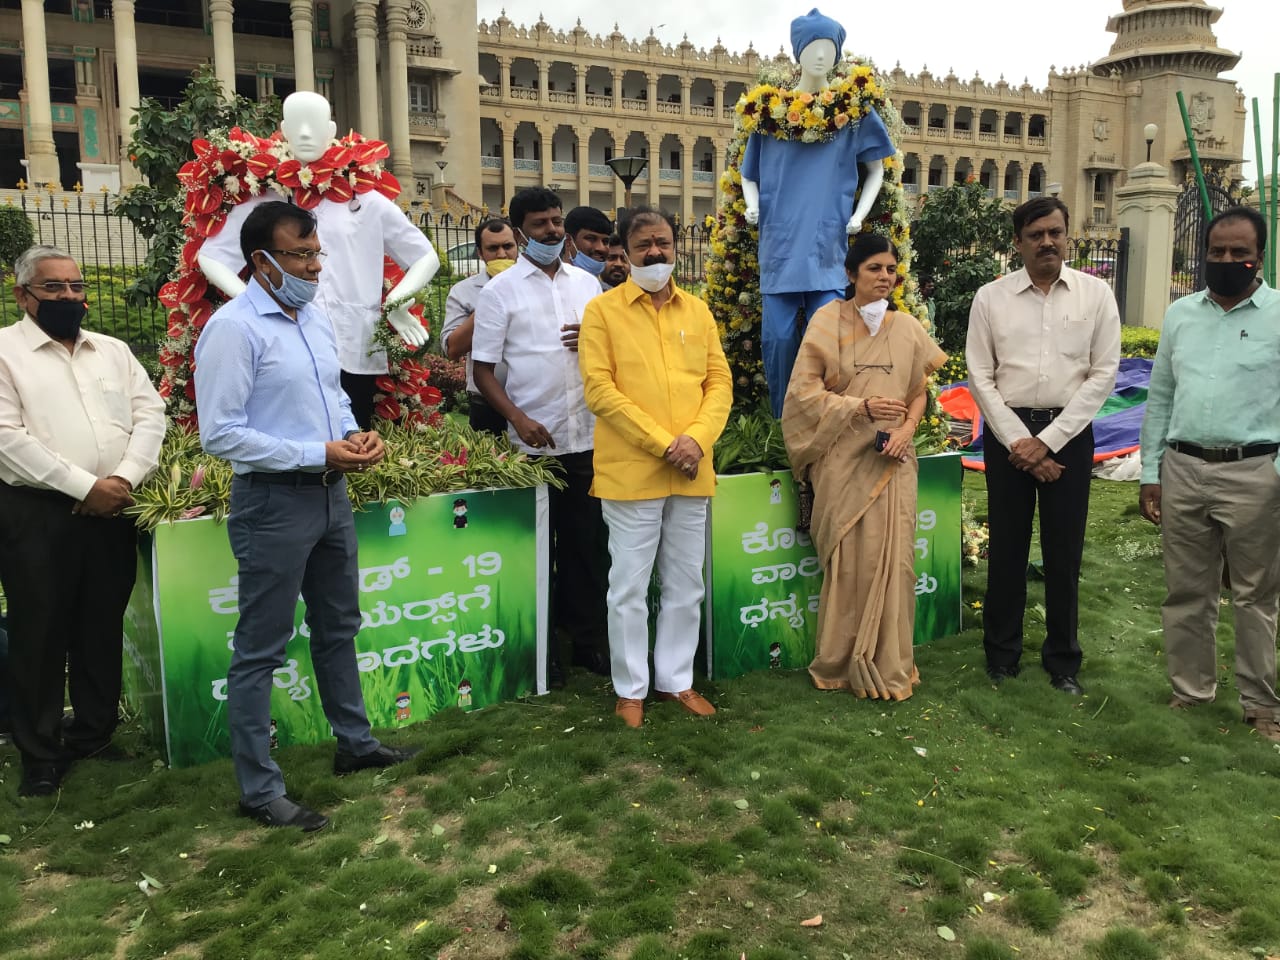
693, 352
1077, 339
1259, 352
116, 403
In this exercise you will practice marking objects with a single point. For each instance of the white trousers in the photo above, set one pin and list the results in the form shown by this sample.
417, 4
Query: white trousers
671, 530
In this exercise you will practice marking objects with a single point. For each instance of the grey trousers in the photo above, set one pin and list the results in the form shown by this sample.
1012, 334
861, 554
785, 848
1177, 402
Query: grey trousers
290, 540
1208, 509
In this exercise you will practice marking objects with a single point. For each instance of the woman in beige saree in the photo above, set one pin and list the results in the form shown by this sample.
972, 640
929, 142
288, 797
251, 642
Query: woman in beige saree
862, 368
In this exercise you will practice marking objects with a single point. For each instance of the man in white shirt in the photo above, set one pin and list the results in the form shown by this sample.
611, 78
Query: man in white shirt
496, 248
528, 317
80, 427
1043, 349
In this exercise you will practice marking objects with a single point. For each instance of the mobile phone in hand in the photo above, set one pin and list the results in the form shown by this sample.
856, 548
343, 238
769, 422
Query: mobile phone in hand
882, 440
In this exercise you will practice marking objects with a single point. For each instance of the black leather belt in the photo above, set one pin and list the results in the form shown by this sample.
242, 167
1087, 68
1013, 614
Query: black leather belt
1038, 414
1223, 454
296, 478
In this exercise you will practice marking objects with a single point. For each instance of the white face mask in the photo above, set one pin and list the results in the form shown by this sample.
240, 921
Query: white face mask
652, 278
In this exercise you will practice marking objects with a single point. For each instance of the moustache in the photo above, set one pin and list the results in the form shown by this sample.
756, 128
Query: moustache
654, 260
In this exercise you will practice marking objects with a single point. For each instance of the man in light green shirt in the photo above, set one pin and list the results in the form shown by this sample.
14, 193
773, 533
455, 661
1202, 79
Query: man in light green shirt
1209, 473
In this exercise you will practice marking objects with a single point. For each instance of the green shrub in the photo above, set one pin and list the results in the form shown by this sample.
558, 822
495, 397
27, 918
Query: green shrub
1124, 943
1138, 341
16, 234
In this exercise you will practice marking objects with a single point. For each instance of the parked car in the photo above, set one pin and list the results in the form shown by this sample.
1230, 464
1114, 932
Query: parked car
463, 259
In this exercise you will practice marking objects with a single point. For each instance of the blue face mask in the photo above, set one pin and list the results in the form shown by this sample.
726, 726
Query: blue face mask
590, 264
543, 254
293, 291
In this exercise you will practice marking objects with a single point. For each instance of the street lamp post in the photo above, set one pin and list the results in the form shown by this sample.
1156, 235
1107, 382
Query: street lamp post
1149, 132
627, 169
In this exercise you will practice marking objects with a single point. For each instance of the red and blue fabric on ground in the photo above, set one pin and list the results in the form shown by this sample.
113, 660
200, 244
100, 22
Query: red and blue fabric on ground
1115, 428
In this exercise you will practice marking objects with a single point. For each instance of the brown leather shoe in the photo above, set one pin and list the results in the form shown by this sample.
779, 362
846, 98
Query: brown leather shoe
631, 711
1267, 727
691, 700
1177, 703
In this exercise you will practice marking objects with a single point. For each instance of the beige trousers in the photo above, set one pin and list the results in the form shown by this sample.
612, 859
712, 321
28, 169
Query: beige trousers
1208, 510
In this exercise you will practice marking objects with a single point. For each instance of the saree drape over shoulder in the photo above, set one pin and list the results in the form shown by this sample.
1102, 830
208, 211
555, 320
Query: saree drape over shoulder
864, 509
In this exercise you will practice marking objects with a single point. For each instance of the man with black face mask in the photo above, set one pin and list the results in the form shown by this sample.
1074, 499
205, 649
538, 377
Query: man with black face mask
1209, 471
80, 427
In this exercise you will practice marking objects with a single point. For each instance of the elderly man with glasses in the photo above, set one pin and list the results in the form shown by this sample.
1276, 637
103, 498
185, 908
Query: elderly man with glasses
80, 427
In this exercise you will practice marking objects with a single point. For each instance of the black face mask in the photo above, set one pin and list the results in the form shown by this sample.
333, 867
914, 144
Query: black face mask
60, 319
1229, 278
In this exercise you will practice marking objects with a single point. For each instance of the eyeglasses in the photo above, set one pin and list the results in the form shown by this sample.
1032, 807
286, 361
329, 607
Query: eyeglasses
885, 368
306, 256
55, 287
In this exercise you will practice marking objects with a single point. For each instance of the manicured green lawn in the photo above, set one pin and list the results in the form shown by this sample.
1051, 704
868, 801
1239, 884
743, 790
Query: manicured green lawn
1020, 822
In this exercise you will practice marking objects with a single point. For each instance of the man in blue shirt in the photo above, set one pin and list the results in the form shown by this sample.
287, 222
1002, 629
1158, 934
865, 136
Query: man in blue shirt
1209, 471
802, 195
270, 401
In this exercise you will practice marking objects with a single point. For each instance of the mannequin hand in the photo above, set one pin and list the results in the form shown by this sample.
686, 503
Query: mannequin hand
854, 226
752, 215
413, 333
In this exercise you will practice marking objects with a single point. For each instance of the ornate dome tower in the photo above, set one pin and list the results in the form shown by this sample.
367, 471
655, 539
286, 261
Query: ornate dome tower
1165, 36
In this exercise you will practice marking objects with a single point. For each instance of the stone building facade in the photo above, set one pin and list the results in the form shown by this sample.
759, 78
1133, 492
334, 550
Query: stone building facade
473, 113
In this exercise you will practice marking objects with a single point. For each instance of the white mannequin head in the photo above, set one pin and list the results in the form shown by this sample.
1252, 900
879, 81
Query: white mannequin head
816, 61
306, 125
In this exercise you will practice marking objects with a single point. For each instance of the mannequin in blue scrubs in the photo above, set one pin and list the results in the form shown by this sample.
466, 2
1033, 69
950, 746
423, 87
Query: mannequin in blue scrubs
802, 196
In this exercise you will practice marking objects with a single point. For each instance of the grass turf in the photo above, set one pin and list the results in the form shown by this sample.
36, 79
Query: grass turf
967, 822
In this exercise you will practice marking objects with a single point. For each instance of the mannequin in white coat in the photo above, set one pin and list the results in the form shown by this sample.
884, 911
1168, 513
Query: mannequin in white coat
355, 236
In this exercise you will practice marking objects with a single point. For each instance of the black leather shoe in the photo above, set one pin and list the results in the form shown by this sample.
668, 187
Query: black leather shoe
41, 779
998, 675
595, 661
1067, 685
384, 756
555, 674
283, 812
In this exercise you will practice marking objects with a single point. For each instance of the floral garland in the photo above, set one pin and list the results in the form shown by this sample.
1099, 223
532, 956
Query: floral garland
776, 108
229, 168
810, 117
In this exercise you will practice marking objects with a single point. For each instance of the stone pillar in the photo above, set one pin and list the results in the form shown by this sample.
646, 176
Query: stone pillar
686, 91
397, 14
42, 156
617, 92
653, 142
619, 192
546, 147
224, 45
126, 83
304, 64
504, 77
687, 144
508, 130
718, 109
1146, 205
543, 69
366, 27
720, 147
653, 92
580, 84
949, 120
583, 135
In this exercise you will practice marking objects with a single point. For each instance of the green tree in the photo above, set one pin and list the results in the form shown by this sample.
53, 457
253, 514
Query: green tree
160, 144
16, 234
963, 239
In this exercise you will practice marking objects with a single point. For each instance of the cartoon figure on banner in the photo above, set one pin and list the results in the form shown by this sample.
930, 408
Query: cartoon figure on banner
775, 656
464, 694
459, 513
402, 706
775, 490
370, 246
274, 743
396, 516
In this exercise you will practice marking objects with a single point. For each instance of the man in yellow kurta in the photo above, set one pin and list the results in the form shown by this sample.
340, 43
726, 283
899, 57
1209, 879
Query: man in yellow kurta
655, 377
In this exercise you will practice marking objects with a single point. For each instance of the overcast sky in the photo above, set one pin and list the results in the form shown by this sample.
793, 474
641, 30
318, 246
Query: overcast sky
1012, 37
